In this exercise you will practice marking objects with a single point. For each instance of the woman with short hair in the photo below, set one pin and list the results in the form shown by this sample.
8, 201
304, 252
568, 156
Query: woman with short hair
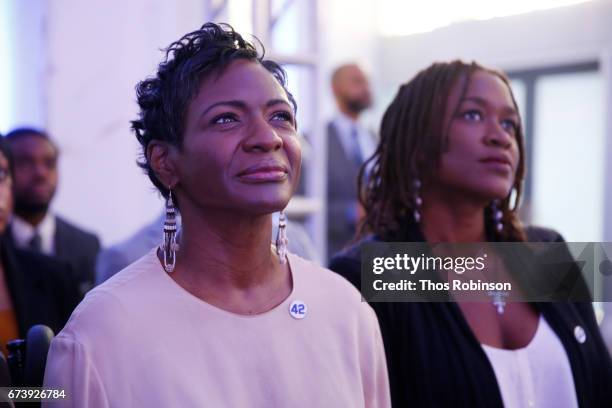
449, 168
225, 319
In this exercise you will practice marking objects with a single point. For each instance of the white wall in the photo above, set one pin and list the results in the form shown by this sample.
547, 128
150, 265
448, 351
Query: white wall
97, 52
543, 38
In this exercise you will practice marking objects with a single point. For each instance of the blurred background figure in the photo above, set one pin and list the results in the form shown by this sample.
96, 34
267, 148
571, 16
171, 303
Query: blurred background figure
349, 143
34, 288
34, 226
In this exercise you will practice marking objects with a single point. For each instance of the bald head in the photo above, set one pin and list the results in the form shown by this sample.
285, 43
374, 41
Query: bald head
351, 89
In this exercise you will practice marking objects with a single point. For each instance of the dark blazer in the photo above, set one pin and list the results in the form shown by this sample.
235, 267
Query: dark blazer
80, 249
342, 174
41, 288
434, 359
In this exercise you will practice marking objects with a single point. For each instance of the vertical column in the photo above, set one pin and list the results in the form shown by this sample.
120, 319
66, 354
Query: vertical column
23, 54
261, 20
606, 70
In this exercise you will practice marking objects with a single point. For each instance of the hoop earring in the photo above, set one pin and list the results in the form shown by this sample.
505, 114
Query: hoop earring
281, 238
418, 201
169, 246
497, 216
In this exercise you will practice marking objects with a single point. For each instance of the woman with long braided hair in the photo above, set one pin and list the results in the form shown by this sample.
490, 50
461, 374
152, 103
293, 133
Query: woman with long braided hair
449, 167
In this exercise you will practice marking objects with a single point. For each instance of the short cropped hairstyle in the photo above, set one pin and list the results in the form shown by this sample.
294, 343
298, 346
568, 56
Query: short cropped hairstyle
27, 131
164, 98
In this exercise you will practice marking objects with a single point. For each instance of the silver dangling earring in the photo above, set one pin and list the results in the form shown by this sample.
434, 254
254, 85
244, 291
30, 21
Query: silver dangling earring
169, 246
418, 201
281, 238
497, 216
498, 296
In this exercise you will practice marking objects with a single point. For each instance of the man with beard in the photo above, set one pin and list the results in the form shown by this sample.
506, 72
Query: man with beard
349, 144
34, 226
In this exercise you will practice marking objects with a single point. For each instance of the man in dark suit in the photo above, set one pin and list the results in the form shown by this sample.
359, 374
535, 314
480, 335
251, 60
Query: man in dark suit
34, 226
34, 288
349, 144
41, 288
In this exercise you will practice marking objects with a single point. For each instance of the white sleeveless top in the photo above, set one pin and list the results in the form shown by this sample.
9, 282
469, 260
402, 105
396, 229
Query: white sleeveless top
538, 375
